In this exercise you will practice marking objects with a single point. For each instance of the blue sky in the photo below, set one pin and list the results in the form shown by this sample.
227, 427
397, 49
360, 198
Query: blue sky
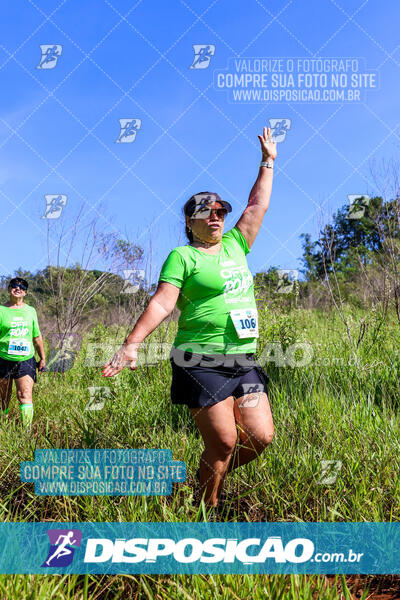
131, 60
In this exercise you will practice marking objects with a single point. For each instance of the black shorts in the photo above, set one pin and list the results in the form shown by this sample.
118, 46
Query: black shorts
203, 380
14, 369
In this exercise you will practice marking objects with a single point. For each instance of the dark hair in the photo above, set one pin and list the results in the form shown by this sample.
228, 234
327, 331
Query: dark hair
188, 231
16, 280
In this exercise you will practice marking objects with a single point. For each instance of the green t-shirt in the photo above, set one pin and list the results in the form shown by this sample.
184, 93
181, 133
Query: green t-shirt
211, 287
17, 328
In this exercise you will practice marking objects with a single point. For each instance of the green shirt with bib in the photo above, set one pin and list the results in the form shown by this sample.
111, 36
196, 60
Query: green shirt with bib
18, 327
217, 304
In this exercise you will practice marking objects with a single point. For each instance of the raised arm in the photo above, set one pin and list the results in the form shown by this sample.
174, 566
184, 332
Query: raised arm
252, 216
160, 306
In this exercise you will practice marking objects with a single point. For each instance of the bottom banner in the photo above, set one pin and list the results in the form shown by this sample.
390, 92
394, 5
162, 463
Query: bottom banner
189, 548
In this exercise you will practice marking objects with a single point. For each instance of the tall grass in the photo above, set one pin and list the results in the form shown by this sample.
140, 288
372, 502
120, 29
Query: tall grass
342, 406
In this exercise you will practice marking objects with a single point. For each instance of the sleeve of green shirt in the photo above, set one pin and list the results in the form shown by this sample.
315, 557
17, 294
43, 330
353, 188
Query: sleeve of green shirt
241, 240
35, 325
174, 269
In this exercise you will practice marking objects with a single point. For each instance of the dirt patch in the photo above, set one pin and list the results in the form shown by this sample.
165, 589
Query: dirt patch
381, 587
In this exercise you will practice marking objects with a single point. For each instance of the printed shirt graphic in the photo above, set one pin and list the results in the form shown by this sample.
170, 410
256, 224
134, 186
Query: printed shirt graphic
17, 328
211, 287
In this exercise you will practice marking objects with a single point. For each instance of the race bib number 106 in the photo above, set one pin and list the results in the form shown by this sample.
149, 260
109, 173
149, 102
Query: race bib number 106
245, 321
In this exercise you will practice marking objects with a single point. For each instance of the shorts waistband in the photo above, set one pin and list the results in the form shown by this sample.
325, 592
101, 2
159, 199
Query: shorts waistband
189, 358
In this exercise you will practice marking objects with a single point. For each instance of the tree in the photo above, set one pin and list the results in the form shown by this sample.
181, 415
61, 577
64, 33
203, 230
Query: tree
347, 241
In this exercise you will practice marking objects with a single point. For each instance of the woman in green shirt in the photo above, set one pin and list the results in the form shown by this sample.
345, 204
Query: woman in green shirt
213, 368
19, 337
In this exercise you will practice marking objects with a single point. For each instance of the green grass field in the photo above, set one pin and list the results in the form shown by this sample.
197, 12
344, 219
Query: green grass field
343, 406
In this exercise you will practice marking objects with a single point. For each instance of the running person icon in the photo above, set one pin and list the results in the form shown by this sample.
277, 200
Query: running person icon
51, 55
19, 338
214, 371
62, 550
55, 205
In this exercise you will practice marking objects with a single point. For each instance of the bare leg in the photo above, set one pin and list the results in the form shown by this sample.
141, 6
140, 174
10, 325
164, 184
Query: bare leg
24, 393
5, 395
256, 429
218, 429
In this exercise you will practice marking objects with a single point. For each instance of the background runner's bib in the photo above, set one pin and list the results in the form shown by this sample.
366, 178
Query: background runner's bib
18, 326
19, 347
212, 285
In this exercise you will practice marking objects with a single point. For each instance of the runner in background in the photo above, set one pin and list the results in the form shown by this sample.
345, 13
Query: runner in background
19, 337
213, 367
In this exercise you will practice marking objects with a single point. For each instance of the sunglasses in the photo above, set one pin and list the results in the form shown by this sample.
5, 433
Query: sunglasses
205, 213
21, 286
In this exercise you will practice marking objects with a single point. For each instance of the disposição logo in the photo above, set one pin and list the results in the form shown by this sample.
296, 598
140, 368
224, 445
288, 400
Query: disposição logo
63, 543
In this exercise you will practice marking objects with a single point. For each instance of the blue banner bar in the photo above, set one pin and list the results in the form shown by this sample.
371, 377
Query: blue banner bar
188, 548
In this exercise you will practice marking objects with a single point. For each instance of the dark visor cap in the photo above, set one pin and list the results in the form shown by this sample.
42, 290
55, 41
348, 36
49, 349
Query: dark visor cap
203, 199
17, 281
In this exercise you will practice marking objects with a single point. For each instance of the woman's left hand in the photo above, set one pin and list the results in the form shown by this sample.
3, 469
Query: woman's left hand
268, 147
127, 354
